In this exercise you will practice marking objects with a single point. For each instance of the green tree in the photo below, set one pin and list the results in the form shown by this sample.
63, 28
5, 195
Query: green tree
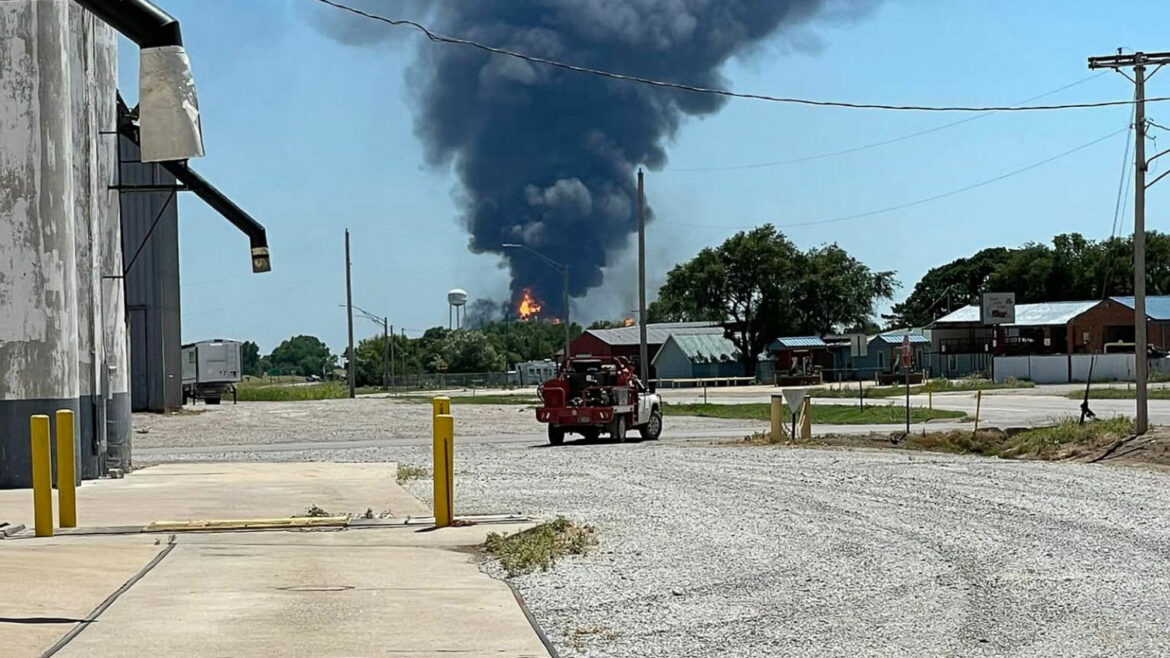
466, 350
947, 287
250, 357
303, 355
760, 286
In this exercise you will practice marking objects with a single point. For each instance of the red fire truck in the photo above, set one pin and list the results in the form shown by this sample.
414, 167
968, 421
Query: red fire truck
594, 395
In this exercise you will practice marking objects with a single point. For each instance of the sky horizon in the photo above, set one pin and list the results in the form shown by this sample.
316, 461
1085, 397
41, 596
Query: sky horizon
312, 136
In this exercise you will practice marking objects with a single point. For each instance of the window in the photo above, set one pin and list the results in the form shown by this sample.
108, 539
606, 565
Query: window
952, 363
881, 360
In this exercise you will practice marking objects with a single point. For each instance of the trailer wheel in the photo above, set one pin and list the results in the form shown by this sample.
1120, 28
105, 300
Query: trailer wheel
653, 427
556, 435
617, 430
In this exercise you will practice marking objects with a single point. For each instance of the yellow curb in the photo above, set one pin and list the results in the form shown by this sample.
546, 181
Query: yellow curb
247, 524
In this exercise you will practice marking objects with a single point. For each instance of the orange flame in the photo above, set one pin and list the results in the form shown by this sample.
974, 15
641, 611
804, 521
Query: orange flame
528, 306
628, 322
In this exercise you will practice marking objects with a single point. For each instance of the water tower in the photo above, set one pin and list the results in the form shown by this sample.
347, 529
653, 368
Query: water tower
456, 299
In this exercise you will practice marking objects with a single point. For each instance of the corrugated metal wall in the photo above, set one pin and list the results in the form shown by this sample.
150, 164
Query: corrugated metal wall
152, 283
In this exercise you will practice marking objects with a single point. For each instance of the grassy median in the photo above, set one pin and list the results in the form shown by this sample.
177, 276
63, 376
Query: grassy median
935, 385
822, 414
1068, 439
1155, 393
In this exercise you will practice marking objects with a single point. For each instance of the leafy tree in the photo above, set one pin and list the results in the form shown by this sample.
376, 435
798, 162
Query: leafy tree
760, 286
303, 355
470, 351
250, 357
947, 287
1071, 268
608, 324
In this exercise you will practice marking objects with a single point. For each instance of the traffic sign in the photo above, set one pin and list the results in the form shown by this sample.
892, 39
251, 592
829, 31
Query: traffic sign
906, 351
794, 396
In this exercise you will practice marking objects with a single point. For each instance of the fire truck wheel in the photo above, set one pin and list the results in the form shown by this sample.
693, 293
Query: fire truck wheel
556, 435
617, 430
653, 427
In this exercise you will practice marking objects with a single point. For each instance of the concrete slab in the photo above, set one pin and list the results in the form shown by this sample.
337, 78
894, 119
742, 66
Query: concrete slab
318, 594
179, 492
50, 584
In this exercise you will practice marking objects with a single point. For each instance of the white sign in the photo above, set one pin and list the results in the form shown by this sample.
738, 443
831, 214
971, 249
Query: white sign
794, 396
858, 345
998, 308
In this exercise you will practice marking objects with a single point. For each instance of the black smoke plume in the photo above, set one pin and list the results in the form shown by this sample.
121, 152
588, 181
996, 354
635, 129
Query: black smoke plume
547, 157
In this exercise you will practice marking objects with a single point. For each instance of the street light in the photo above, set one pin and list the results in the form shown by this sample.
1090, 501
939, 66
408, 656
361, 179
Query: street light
565, 283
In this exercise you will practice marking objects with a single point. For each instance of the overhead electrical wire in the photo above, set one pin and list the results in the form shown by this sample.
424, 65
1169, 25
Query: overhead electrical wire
935, 197
625, 77
885, 142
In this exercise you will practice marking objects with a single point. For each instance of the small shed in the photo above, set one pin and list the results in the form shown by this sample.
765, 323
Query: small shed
884, 352
800, 354
697, 356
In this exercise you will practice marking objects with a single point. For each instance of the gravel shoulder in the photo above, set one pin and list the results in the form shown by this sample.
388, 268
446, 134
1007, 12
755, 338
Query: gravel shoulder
755, 551
366, 418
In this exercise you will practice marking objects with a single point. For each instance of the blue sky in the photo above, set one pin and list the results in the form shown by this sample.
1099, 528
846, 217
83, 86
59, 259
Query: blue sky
312, 136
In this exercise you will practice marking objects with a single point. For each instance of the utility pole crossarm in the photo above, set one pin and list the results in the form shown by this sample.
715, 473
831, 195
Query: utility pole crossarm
1119, 61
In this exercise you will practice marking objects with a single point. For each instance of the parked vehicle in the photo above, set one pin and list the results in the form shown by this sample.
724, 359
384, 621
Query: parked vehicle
210, 369
594, 395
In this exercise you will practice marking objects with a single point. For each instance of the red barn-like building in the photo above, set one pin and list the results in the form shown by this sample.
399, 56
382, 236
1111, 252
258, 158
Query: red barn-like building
624, 341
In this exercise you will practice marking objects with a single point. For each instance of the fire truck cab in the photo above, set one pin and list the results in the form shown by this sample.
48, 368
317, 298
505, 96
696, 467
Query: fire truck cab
593, 395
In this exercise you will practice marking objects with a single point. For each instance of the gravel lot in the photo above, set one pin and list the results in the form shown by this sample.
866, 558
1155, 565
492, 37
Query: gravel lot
738, 551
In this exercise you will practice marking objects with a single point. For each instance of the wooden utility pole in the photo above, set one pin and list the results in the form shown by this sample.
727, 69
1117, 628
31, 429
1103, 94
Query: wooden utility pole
349, 315
386, 353
1138, 62
643, 366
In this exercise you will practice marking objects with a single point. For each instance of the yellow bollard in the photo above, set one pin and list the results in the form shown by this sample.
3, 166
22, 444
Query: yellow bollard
42, 475
66, 470
444, 466
440, 405
978, 403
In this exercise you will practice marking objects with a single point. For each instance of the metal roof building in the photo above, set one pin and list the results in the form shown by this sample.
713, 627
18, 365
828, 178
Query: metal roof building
1043, 314
624, 341
691, 356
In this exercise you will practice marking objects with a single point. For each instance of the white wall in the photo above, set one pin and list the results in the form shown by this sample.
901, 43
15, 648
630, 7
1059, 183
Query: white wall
1054, 369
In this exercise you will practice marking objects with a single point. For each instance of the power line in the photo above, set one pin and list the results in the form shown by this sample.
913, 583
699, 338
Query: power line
625, 77
885, 142
935, 197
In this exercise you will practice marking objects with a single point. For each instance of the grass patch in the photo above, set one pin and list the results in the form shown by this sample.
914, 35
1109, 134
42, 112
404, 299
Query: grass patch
934, 385
1156, 393
408, 472
298, 392
540, 547
1066, 439
518, 399
822, 414
315, 511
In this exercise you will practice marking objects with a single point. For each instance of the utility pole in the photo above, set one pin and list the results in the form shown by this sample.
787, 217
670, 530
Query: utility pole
390, 339
643, 365
386, 353
565, 302
349, 315
1138, 62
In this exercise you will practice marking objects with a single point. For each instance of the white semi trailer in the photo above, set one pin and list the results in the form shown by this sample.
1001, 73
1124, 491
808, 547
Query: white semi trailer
210, 369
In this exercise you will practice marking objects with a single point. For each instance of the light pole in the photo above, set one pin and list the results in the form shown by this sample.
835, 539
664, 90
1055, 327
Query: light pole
564, 269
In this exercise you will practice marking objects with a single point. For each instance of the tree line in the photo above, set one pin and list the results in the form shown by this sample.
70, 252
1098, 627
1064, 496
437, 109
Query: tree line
760, 286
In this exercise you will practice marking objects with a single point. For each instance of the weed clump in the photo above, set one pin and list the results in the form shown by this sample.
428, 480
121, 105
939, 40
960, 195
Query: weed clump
539, 547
